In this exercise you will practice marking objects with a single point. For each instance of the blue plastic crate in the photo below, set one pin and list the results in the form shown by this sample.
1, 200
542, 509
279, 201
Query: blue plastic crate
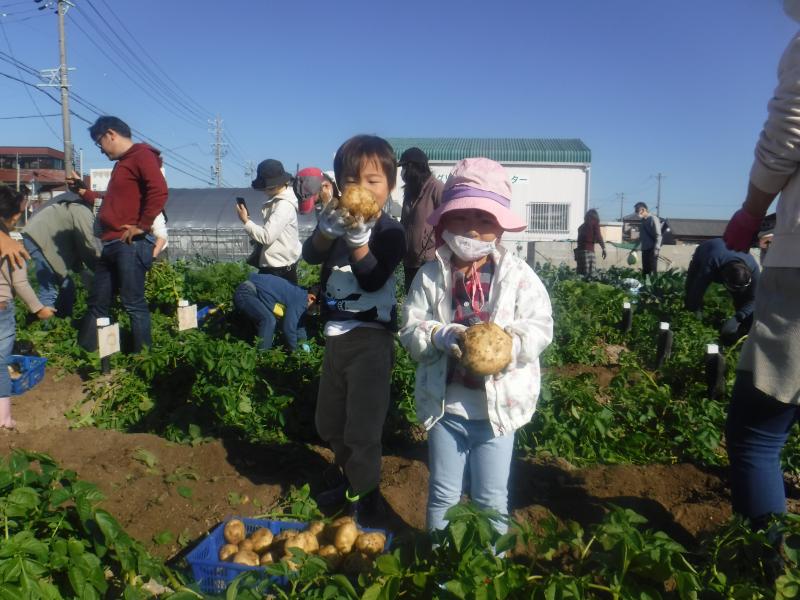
31, 370
214, 575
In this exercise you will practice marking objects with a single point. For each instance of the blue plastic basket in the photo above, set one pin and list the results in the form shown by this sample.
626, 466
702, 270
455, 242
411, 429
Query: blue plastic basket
31, 370
213, 575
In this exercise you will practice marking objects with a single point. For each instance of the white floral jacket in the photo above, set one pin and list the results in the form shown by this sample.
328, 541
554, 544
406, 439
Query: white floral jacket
517, 301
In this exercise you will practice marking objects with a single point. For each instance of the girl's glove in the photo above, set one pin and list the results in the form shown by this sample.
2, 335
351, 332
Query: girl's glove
331, 223
358, 233
447, 338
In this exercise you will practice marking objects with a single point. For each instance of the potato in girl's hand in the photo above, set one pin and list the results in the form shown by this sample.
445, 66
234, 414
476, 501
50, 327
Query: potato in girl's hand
486, 349
358, 203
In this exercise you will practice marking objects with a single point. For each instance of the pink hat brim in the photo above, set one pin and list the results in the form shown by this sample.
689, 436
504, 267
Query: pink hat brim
505, 218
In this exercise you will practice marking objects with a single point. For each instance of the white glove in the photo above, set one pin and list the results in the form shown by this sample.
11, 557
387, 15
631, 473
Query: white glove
331, 223
446, 338
358, 234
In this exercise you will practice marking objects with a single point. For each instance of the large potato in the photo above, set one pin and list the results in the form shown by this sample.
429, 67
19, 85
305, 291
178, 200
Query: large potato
266, 558
246, 557
371, 544
279, 541
359, 203
305, 541
234, 531
345, 537
228, 551
486, 349
261, 539
246, 544
316, 527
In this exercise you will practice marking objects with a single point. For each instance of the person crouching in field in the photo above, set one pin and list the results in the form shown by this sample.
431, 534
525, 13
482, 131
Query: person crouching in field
470, 419
359, 309
264, 299
12, 280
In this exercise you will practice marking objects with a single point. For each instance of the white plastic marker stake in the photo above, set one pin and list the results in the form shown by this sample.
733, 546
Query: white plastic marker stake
715, 372
664, 344
627, 317
187, 315
107, 341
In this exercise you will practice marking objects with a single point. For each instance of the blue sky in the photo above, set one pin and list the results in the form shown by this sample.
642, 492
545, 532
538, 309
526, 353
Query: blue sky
678, 87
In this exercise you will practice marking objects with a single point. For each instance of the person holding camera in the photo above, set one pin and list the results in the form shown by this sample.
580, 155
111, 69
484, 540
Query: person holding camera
277, 241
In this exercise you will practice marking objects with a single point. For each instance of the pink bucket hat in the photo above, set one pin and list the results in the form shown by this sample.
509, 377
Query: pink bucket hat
482, 184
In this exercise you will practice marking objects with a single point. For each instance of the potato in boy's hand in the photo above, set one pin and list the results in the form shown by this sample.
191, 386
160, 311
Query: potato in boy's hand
486, 349
359, 204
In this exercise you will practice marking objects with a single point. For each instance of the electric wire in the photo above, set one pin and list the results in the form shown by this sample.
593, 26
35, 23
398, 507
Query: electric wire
20, 66
146, 88
145, 72
203, 111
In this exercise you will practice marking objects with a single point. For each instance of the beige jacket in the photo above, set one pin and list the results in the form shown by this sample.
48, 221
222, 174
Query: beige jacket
775, 168
278, 235
17, 281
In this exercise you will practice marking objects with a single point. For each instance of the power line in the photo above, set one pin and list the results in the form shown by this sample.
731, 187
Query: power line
142, 85
148, 73
204, 113
20, 66
30, 116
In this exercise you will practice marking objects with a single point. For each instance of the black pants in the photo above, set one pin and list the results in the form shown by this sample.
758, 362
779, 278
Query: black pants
289, 273
649, 261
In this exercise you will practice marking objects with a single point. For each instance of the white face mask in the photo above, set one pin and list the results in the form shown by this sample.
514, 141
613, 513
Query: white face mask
465, 248
792, 8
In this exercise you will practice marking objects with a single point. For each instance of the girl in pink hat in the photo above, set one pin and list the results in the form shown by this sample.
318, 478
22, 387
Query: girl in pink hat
471, 420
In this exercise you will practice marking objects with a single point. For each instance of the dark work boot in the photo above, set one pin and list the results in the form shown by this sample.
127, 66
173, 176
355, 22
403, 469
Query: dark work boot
336, 490
367, 509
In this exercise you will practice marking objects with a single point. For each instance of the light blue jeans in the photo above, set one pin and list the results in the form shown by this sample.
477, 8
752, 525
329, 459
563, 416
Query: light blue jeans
8, 332
456, 444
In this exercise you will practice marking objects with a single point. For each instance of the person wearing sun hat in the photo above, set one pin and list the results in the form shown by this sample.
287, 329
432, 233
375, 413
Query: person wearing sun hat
471, 420
278, 236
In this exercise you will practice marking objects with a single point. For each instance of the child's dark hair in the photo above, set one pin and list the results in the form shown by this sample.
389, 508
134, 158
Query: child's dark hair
351, 155
10, 202
105, 123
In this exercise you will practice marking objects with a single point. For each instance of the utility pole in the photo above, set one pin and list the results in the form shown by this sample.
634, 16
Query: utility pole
219, 150
16, 164
59, 78
621, 196
659, 177
64, 84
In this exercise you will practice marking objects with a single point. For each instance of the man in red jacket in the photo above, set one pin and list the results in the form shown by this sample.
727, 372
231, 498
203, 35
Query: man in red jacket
136, 194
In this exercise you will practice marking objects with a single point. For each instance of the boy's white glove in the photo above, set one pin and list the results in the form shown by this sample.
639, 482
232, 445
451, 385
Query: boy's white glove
358, 233
447, 338
331, 223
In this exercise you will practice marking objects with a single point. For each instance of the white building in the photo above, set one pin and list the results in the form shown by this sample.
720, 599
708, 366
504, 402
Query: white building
549, 179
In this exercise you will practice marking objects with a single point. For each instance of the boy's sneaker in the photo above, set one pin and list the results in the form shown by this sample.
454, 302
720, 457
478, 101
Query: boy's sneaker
367, 509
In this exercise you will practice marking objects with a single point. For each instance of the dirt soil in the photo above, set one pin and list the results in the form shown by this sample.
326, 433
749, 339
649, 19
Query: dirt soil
226, 479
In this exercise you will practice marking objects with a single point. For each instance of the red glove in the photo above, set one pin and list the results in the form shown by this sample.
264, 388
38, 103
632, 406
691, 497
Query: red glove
741, 230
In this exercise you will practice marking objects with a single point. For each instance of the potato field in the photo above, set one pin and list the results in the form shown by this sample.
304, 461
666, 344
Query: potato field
618, 486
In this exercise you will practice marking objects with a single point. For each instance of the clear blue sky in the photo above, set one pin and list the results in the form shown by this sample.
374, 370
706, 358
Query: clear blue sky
678, 87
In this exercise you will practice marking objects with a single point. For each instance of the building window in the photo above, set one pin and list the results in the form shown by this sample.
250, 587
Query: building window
544, 217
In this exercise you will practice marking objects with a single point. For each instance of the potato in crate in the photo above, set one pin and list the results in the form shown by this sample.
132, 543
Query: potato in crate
25, 372
240, 545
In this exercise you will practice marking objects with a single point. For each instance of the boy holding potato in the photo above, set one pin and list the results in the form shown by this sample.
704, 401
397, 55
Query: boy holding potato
362, 246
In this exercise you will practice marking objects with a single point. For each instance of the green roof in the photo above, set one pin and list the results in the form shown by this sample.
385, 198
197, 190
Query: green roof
504, 150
